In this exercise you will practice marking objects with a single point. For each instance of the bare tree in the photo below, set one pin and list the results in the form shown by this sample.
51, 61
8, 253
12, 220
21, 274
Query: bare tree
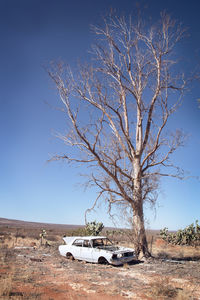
119, 106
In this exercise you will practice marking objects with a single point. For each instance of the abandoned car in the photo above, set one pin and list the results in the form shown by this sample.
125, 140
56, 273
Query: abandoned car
96, 249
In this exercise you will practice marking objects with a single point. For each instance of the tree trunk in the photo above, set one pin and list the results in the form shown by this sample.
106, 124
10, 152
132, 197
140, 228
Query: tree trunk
140, 240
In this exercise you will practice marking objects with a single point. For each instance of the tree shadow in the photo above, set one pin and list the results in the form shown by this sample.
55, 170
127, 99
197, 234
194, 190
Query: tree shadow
186, 258
135, 262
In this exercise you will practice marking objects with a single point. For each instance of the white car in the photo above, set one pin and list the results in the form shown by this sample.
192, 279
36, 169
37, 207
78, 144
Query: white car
96, 249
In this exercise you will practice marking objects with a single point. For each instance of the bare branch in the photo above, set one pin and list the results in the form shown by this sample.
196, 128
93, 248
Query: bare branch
119, 108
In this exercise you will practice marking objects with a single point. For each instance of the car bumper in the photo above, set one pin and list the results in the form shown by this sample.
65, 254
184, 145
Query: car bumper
121, 261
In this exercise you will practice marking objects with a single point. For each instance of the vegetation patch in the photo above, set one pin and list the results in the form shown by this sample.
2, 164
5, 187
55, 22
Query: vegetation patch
187, 236
162, 289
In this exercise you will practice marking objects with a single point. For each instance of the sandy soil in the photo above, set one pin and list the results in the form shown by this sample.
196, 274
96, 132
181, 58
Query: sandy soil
42, 273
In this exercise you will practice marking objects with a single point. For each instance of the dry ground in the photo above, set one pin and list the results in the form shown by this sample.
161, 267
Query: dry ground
39, 272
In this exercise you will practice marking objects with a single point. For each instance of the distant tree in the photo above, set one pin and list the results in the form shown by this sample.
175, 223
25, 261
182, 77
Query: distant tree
118, 106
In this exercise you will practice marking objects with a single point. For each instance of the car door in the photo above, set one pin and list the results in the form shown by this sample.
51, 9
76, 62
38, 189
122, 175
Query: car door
76, 248
87, 251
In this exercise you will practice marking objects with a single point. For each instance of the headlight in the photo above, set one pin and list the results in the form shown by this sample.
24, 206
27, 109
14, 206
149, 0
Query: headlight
119, 255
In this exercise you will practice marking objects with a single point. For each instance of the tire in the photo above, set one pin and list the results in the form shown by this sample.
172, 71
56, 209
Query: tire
69, 256
102, 260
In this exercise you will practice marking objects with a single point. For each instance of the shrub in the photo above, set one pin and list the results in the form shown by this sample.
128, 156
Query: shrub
43, 235
94, 228
162, 289
187, 236
91, 228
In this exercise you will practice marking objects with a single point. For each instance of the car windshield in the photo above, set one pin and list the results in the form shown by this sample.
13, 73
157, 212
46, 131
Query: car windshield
102, 242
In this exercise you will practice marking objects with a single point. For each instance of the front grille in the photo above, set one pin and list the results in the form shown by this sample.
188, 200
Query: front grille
127, 254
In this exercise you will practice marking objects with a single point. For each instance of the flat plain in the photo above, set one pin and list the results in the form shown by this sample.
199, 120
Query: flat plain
29, 270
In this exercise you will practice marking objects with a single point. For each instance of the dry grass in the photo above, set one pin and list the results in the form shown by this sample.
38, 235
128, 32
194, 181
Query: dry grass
184, 295
9, 277
28, 236
6, 286
13, 239
162, 289
186, 253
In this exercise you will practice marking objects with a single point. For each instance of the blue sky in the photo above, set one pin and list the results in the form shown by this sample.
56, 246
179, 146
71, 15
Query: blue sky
33, 33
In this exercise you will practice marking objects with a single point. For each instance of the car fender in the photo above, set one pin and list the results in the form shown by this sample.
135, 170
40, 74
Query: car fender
100, 253
63, 249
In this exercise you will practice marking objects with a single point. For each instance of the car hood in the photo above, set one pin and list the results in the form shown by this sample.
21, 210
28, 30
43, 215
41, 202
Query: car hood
115, 249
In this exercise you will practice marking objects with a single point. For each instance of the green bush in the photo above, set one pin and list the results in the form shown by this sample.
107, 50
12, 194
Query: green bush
187, 236
94, 228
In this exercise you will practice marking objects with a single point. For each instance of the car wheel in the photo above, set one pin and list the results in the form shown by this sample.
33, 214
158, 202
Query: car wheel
69, 256
103, 261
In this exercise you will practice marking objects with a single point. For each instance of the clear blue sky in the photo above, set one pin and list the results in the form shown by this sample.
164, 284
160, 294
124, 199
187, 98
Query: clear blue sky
33, 33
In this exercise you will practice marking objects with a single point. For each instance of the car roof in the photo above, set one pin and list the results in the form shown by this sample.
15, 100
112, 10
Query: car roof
70, 239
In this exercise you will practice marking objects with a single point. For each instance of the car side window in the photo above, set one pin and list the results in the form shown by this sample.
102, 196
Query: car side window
78, 243
86, 243
97, 243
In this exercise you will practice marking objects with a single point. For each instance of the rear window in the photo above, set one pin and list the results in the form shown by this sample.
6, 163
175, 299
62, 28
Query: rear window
78, 243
